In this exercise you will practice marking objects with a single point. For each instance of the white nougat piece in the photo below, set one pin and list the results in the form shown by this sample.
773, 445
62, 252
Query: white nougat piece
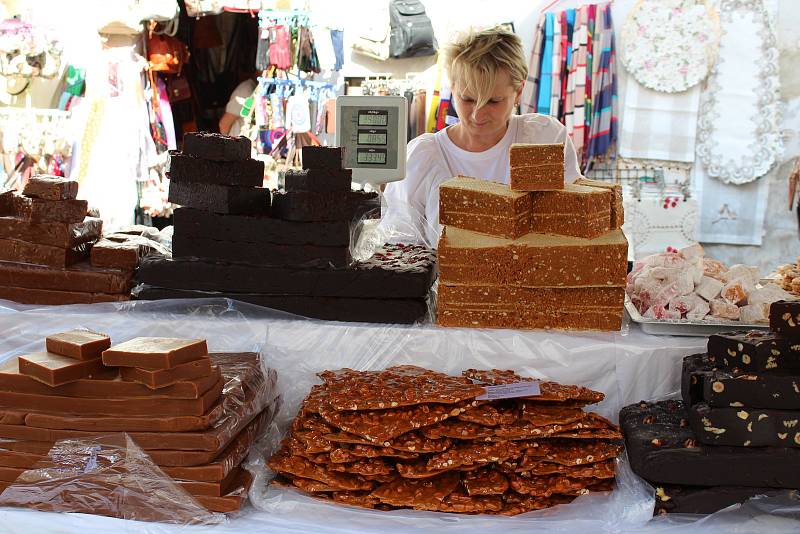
709, 288
742, 272
754, 313
768, 294
724, 310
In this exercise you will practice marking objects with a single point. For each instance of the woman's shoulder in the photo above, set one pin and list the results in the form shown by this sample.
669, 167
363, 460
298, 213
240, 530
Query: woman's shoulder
422, 144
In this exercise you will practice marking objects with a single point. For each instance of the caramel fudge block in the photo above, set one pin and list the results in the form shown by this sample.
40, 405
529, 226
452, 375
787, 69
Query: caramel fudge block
55, 370
784, 318
335, 206
596, 319
230, 502
78, 344
323, 157
753, 351
51, 188
79, 278
534, 260
155, 353
537, 167
576, 210
123, 252
318, 180
484, 206
14, 250
211, 489
168, 377
702, 382
216, 146
54, 234
51, 297
149, 423
617, 206
38, 210
745, 427
563, 298
191, 169
220, 198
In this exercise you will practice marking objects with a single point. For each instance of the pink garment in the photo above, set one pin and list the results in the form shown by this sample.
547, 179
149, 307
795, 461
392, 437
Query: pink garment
166, 114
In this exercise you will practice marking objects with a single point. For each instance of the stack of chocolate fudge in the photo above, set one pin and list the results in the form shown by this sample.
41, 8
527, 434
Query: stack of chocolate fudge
407, 437
51, 250
537, 254
292, 254
195, 414
736, 433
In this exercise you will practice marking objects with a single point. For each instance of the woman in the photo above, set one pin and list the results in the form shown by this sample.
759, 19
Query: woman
487, 71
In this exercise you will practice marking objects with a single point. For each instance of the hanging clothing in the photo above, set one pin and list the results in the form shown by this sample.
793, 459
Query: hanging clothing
603, 133
531, 90
297, 114
337, 40
544, 101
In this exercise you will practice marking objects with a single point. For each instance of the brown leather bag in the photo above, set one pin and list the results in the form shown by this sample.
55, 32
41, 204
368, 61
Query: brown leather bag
166, 54
178, 88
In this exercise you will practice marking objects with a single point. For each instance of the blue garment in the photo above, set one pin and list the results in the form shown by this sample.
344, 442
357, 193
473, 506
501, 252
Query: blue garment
337, 39
546, 79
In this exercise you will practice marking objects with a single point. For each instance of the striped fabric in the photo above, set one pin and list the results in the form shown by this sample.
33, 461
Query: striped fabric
547, 66
603, 132
531, 91
555, 88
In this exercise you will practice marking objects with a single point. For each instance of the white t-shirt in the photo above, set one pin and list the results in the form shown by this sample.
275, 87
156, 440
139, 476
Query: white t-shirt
234, 106
434, 158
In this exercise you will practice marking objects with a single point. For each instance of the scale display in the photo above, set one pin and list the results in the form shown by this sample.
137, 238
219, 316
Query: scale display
373, 132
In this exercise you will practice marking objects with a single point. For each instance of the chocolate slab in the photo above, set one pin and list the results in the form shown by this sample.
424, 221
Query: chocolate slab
745, 427
78, 278
56, 370
56, 298
54, 234
78, 344
18, 251
672, 499
367, 310
99, 388
396, 271
184, 168
318, 180
155, 353
51, 188
784, 319
221, 198
261, 254
259, 229
323, 157
167, 377
663, 449
753, 351
216, 146
38, 210
702, 382
335, 206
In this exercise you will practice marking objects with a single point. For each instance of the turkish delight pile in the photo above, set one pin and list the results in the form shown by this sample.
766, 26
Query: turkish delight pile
687, 285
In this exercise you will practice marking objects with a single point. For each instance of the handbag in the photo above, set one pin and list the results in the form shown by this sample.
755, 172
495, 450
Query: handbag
178, 88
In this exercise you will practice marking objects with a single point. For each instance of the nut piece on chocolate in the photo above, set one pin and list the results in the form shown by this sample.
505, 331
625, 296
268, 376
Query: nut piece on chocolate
155, 353
51, 188
753, 351
784, 318
216, 146
78, 344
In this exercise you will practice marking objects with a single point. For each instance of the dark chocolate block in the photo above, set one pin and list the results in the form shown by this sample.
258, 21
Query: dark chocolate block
262, 254
191, 169
259, 229
216, 146
55, 234
318, 180
672, 499
784, 318
753, 351
7, 202
335, 206
220, 198
23, 252
51, 188
745, 427
398, 311
81, 277
702, 382
37, 210
663, 450
395, 271
323, 157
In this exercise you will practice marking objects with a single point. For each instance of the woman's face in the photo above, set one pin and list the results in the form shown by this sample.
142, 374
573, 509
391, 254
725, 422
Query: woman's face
492, 118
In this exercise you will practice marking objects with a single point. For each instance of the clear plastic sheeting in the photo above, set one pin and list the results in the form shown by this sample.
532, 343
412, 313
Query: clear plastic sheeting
627, 368
110, 476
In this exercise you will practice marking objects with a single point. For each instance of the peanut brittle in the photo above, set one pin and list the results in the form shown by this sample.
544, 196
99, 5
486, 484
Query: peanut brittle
519, 504
485, 481
404, 385
545, 486
541, 415
568, 452
423, 494
417, 442
297, 466
460, 501
492, 414
366, 466
525, 430
311, 486
361, 499
470, 454
351, 453
550, 391
458, 429
599, 470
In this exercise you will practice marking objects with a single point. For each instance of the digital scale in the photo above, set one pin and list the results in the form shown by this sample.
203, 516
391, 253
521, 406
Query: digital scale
373, 131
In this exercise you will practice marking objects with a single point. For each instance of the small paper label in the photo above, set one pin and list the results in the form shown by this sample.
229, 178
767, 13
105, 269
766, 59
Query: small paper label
510, 391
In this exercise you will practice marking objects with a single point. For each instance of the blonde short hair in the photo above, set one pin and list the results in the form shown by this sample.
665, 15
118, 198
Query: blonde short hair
474, 58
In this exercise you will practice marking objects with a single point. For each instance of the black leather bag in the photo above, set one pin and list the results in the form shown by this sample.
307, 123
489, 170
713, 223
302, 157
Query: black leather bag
411, 30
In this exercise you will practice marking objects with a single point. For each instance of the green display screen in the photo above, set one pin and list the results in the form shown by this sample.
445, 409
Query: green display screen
373, 158
372, 138
373, 118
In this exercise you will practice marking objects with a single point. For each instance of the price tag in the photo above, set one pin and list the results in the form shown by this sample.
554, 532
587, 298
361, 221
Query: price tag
510, 391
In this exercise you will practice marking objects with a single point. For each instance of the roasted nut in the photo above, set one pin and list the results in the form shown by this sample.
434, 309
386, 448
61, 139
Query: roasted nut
718, 387
656, 442
649, 420
690, 443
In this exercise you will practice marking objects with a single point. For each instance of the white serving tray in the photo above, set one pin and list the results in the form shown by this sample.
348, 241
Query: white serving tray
685, 327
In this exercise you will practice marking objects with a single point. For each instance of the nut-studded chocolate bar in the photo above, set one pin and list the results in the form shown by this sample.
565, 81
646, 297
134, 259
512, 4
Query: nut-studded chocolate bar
404, 385
674, 499
703, 382
745, 427
663, 449
784, 318
216, 146
753, 351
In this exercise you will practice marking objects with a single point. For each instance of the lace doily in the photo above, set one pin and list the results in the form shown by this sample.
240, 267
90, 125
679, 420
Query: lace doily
670, 45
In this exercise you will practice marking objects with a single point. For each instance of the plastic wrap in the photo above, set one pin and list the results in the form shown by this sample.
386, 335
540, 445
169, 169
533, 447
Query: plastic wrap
107, 475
